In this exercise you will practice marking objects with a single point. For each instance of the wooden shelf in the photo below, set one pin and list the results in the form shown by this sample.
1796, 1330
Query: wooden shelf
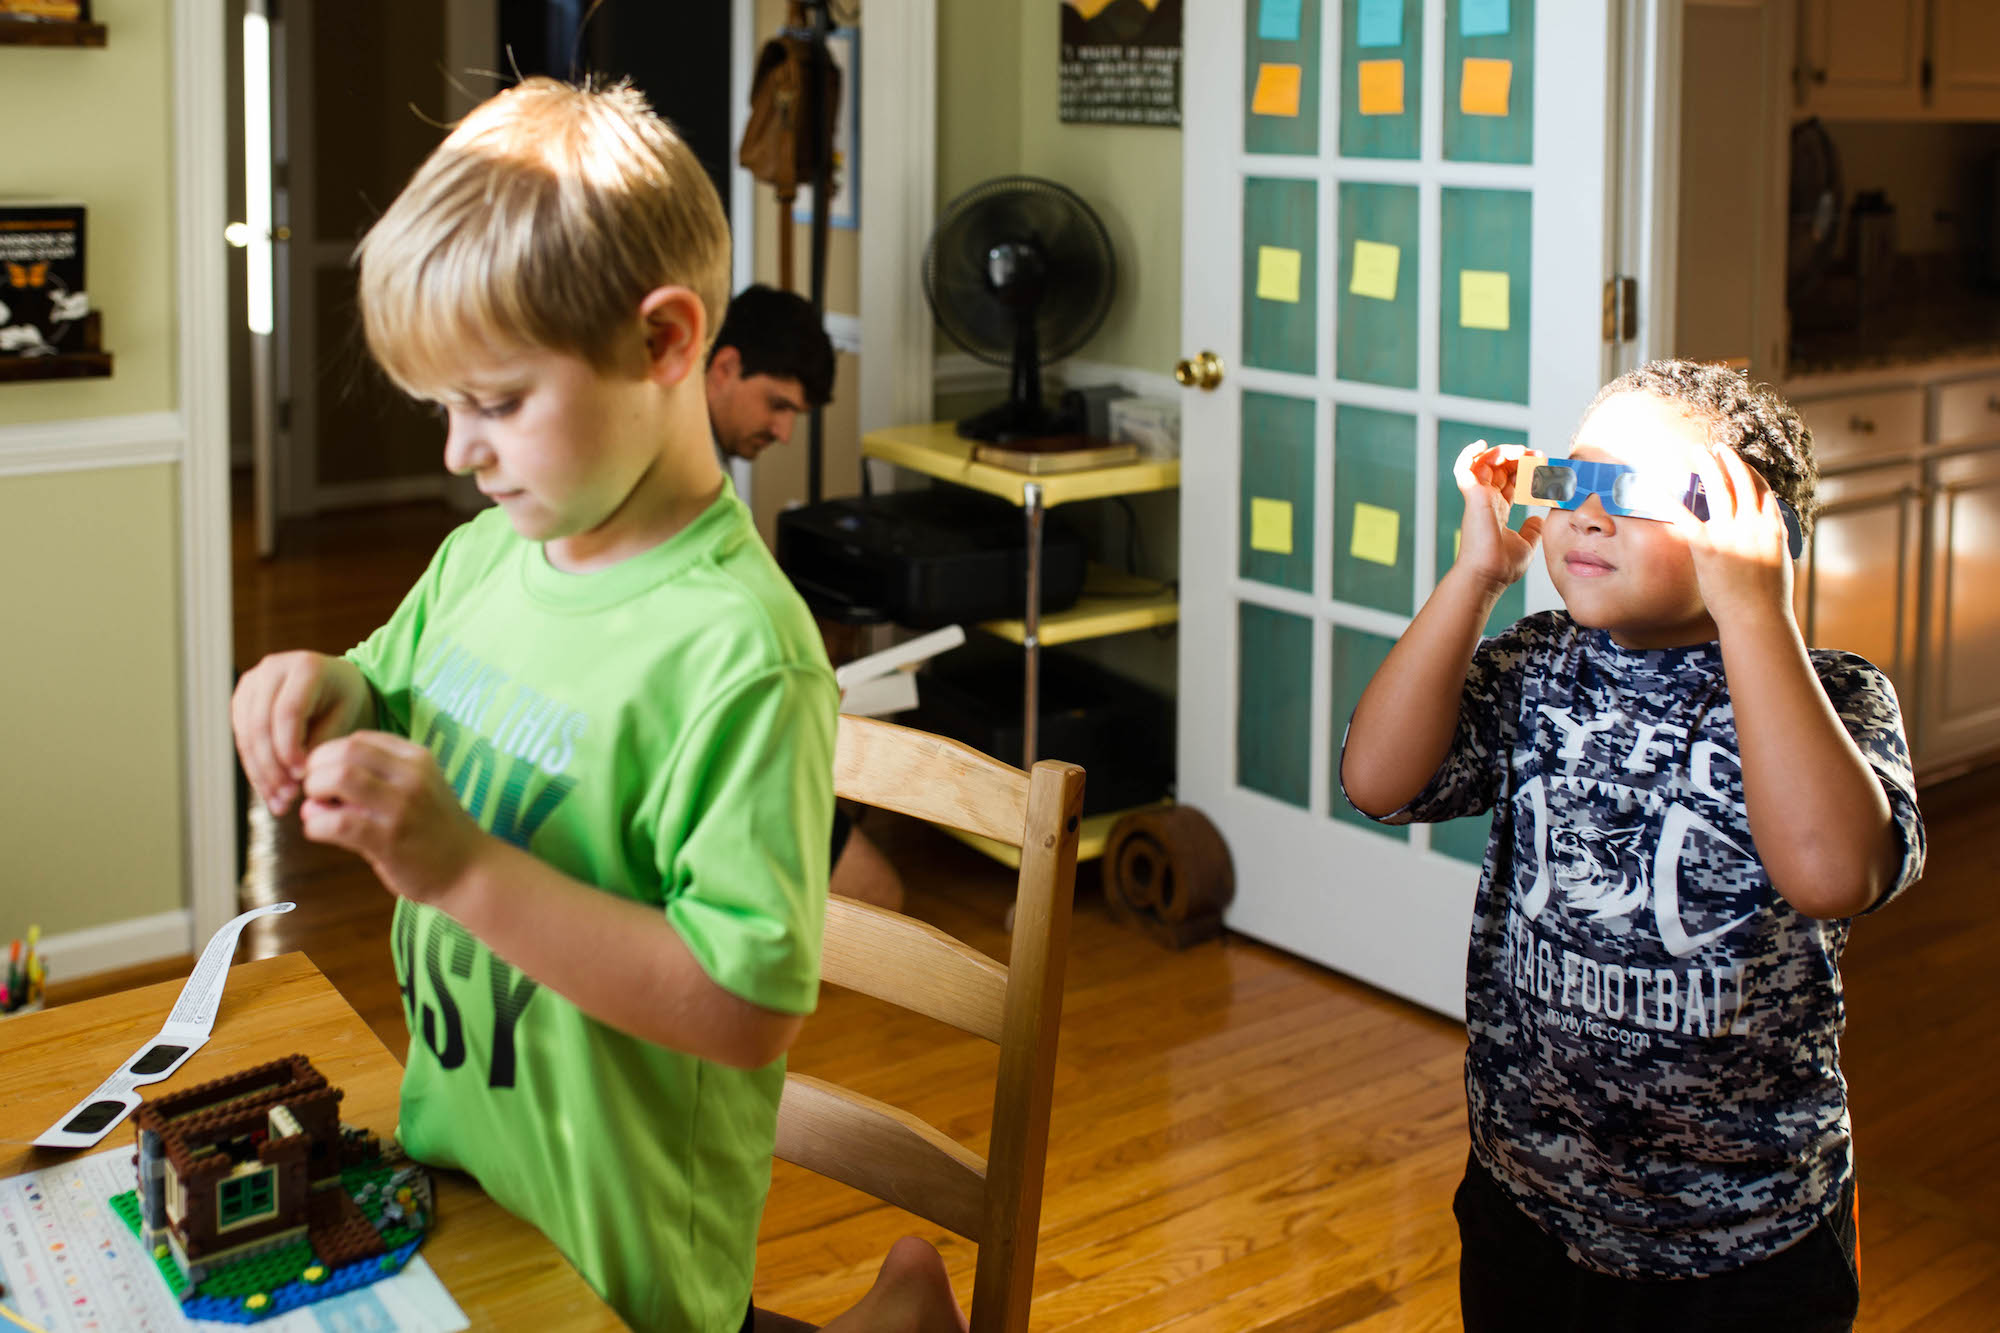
25, 32
1113, 602
1091, 836
936, 450
89, 361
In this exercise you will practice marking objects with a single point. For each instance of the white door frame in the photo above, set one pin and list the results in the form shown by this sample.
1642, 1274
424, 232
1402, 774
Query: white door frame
201, 199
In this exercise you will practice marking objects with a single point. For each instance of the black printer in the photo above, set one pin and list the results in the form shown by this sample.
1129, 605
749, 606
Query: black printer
924, 558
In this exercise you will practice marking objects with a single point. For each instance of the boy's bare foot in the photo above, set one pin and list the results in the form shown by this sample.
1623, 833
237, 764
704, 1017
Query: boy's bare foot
912, 1294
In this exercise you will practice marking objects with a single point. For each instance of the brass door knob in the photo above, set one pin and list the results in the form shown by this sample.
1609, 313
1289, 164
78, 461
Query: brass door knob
1202, 372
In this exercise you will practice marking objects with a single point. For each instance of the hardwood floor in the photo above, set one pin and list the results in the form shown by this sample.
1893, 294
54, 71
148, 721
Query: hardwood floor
1241, 1140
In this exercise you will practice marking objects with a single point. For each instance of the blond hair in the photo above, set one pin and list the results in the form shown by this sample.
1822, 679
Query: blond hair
541, 221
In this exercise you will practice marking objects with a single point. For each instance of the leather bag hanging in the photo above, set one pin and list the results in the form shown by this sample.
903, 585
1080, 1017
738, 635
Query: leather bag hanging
783, 143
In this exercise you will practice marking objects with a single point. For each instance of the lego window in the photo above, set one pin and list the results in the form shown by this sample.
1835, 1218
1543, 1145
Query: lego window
245, 1198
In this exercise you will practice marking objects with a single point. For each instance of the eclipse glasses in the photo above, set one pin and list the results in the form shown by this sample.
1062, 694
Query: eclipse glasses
1544, 482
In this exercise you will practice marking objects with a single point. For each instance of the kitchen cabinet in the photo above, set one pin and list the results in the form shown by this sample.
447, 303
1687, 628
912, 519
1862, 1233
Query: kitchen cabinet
1904, 563
1960, 709
1860, 584
1899, 59
1862, 58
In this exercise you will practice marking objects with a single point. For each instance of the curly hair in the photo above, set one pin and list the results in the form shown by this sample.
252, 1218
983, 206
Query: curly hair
1749, 418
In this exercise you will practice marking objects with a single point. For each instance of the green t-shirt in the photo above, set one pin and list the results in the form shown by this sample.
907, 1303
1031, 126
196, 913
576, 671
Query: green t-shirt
662, 729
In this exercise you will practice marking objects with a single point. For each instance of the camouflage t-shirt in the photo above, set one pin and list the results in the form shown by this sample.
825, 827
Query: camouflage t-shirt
1654, 1068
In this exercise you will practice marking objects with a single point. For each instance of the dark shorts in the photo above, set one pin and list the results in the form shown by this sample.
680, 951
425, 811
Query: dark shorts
842, 826
1513, 1275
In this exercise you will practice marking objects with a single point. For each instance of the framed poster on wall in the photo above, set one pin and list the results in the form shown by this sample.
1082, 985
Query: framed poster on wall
1121, 62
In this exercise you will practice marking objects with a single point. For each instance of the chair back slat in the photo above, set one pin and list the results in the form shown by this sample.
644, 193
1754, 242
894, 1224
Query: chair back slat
929, 777
914, 965
886, 1152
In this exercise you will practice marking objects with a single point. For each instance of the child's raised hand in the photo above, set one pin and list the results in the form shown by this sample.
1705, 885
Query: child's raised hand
1487, 548
1742, 557
385, 799
283, 707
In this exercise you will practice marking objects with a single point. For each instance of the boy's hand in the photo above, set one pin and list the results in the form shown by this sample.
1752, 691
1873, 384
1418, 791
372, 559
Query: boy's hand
385, 799
1488, 549
283, 707
1742, 556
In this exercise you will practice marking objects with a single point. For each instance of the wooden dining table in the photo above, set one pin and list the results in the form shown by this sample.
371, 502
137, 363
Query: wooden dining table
502, 1272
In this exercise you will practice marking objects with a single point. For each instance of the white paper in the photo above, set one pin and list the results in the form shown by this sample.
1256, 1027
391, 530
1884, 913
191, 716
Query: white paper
71, 1265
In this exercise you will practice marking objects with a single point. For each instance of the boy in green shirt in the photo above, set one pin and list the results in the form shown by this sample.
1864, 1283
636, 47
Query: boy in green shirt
591, 753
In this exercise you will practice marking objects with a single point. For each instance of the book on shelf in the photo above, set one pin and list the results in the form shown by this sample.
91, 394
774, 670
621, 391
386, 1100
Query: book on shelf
45, 11
43, 302
1056, 453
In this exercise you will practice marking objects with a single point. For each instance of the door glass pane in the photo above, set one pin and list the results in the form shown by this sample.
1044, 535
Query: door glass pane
1483, 293
1381, 77
1275, 509
1374, 508
1281, 77
1376, 288
1274, 703
1357, 655
1280, 275
1489, 81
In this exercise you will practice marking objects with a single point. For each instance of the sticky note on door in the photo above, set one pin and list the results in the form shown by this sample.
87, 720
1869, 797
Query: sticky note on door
1375, 265
1483, 86
1278, 21
1375, 533
1483, 299
1277, 91
1482, 18
1271, 525
1278, 273
1381, 87
1379, 23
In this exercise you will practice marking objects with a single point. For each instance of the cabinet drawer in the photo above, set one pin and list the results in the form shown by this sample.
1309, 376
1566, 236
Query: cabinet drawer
1854, 427
1969, 411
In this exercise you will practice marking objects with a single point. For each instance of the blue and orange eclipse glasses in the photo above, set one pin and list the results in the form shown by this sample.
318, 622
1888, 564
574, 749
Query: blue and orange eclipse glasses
1624, 491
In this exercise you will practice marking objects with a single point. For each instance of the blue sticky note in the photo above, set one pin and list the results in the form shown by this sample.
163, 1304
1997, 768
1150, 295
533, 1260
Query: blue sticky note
1379, 23
1482, 18
1278, 21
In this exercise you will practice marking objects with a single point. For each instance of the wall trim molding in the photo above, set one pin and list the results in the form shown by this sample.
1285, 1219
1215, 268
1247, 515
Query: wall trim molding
141, 939
130, 440
201, 293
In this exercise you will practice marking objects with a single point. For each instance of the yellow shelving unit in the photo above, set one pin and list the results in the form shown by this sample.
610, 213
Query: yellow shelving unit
1112, 602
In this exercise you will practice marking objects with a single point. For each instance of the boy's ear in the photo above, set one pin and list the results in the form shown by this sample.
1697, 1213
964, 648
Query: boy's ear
676, 328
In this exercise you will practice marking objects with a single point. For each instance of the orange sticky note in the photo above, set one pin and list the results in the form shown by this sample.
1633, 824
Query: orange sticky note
1277, 91
1483, 86
1381, 87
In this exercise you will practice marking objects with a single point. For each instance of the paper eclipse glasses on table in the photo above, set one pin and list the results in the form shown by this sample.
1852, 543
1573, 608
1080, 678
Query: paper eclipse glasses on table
186, 1030
1625, 492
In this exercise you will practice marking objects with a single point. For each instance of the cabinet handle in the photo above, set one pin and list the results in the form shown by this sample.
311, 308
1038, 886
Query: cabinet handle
1861, 425
1819, 76
1993, 402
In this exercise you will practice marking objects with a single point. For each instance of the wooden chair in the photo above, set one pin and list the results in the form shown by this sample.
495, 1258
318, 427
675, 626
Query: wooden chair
884, 1151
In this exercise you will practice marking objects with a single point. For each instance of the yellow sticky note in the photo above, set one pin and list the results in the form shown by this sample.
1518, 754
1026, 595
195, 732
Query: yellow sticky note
1271, 525
1277, 91
1483, 85
1375, 532
1482, 299
1381, 87
1375, 265
1278, 273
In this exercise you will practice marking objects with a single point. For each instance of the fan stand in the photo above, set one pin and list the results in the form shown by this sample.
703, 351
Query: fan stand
1024, 416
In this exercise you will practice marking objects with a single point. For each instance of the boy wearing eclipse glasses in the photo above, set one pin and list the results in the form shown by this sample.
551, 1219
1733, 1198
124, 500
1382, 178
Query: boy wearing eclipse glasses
1688, 807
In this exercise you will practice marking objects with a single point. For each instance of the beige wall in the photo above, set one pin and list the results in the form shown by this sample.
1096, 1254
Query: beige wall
997, 86
96, 126
91, 790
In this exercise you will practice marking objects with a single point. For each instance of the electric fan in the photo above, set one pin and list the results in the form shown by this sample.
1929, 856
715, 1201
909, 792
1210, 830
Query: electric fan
1019, 272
